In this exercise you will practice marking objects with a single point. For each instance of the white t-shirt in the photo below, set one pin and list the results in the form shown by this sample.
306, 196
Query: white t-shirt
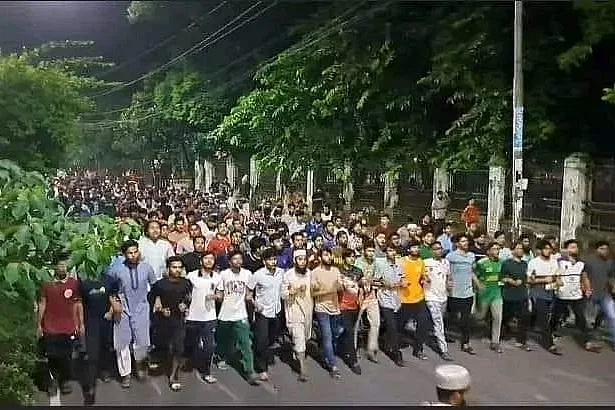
542, 268
235, 287
267, 289
571, 278
438, 272
156, 254
202, 309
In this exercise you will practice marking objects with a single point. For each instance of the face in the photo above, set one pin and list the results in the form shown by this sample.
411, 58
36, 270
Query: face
396, 240
384, 221
494, 251
330, 227
319, 242
357, 228
301, 262
526, 243
270, 263
350, 260
342, 240
179, 225
326, 258
448, 230
501, 240
236, 238
175, 270
236, 261
199, 244
338, 222
132, 254
463, 243
436, 249
419, 232
572, 249
429, 238
547, 251
369, 253
414, 250
222, 229
61, 270
195, 231
298, 241
603, 251
164, 231
426, 219
380, 240
153, 231
391, 253
237, 226
518, 251
278, 243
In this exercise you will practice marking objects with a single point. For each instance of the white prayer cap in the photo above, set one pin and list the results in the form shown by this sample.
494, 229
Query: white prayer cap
452, 377
299, 252
411, 227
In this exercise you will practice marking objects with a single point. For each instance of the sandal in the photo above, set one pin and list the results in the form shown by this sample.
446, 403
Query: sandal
175, 385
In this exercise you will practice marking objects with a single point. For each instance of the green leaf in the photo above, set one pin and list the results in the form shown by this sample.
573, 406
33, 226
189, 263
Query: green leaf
41, 242
11, 273
20, 209
22, 236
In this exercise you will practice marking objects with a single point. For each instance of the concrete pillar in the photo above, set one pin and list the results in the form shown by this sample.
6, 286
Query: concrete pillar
495, 201
198, 175
348, 189
231, 172
441, 181
309, 191
279, 189
575, 190
254, 175
391, 196
208, 174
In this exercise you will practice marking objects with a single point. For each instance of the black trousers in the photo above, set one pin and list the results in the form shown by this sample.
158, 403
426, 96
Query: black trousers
417, 311
346, 347
519, 310
391, 321
461, 312
560, 313
200, 344
266, 331
544, 309
59, 352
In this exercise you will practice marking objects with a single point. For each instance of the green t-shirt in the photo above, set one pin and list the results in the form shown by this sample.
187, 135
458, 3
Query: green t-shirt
425, 252
488, 273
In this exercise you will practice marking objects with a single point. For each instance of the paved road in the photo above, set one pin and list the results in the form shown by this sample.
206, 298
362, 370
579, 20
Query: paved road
513, 378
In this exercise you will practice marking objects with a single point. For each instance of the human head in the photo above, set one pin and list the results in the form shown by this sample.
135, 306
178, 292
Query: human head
369, 250
130, 249
462, 241
270, 259
300, 257
175, 266
414, 248
428, 238
349, 257
452, 384
602, 249
326, 257
342, 238
380, 240
500, 237
198, 243
236, 259
208, 261
572, 247
195, 230
152, 229
545, 248
436, 249
61, 265
518, 250
493, 250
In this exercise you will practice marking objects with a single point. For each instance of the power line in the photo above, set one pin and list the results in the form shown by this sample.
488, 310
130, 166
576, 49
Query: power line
198, 47
160, 44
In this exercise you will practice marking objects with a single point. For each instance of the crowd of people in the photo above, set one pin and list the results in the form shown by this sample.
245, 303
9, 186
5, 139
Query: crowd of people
213, 282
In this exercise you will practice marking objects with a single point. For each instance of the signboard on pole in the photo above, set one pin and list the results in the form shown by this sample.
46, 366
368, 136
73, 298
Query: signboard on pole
518, 129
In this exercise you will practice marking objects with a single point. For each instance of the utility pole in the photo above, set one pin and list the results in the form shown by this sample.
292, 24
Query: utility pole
519, 183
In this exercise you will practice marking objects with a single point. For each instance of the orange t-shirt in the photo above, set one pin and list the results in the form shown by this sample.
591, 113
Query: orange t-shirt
413, 271
471, 215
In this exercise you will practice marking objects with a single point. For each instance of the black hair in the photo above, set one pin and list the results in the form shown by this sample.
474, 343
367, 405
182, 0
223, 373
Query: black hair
198, 237
436, 243
296, 235
129, 244
600, 244
542, 244
339, 234
459, 237
173, 259
275, 236
148, 223
369, 244
256, 243
60, 257
570, 242
234, 253
268, 253
498, 233
346, 253
208, 253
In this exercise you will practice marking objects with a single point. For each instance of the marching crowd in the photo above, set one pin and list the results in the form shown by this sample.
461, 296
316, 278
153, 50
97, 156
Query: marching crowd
211, 283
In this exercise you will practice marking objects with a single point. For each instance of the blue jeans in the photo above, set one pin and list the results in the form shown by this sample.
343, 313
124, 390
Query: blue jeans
608, 308
330, 330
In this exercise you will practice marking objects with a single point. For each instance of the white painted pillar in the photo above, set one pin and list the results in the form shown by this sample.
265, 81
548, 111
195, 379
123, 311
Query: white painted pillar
208, 174
391, 196
309, 194
198, 175
348, 189
254, 175
575, 190
441, 181
279, 190
495, 201
231, 172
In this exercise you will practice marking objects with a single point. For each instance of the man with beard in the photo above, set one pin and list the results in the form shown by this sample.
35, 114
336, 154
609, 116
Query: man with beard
135, 278
338, 252
171, 302
58, 323
349, 307
154, 250
413, 298
233, 328
573, 292
327, 282
192, 260
201, 320
328, 235
100, 305
266, 285
298, 306
367, 298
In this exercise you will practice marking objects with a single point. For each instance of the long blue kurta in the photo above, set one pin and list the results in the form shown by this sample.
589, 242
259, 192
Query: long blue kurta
134, 285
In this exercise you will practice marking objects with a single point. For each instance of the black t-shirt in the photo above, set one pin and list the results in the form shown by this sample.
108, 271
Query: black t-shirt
192, 261
515, 270
172, 293
95, 295
252, 264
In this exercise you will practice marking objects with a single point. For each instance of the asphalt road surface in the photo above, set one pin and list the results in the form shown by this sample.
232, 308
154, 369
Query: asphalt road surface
513, 378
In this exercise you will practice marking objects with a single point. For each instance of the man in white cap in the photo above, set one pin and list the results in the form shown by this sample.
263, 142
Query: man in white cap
452, 384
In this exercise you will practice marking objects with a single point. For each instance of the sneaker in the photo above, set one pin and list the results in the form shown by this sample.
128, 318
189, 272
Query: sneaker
263, 376
253, 380
446, 357
125, 382
468, 349
209, 379
222, 365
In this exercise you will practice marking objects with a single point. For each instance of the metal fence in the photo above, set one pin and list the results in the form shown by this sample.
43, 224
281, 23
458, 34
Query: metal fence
543, 198
466, 185
600, 209
415, 188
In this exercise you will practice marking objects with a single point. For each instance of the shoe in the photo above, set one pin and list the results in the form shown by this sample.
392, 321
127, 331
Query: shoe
222, 365
446, 357
590, 347
302, 378
105, 377
253, 380
419, 354
335, 373
523, 346
89, 398
174, 385
372, 357
263, 376
468, 349
208, 379
356, 369
400, 362
125, 382
496, 347
554, 350
65, 389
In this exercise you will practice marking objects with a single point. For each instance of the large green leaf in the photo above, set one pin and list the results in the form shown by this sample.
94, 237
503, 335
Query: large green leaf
11, 273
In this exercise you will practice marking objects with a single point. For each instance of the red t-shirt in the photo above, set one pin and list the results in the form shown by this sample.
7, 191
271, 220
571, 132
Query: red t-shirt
219, 245
60, 300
